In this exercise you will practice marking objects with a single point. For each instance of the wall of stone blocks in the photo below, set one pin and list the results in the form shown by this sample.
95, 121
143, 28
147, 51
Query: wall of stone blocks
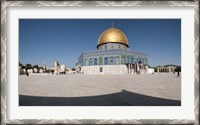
107, 69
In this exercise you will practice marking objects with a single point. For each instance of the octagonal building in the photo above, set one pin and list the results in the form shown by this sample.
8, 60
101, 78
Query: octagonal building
113, 56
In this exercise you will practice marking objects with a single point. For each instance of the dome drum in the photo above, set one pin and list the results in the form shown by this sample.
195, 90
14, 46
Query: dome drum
112, 45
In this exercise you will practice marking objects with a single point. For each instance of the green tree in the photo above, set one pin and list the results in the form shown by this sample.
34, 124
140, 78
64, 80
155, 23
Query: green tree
155, 69
149, 66
35, 66
28, 66
40, 67
20, 64
178, 69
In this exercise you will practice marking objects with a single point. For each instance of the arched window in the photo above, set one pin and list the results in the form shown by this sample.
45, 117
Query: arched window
111, 60
136, 60
105, 46
90, 61
117, 60
122, 60
95, 61
100, 61
106, 60
86, 62
144, 62
132, 60
112, 46
119, 47
127, 61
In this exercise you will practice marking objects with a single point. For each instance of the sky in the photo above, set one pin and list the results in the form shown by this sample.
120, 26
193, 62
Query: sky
43, 41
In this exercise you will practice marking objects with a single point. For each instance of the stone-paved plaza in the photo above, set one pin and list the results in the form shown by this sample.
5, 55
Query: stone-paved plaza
100, 90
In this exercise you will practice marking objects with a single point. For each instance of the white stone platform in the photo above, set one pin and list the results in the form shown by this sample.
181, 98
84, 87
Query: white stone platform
100, 89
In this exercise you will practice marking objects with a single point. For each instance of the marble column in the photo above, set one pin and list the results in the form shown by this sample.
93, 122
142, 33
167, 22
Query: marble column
127, 68
132, 69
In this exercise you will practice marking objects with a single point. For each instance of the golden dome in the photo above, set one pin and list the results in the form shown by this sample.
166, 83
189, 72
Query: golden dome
113, 35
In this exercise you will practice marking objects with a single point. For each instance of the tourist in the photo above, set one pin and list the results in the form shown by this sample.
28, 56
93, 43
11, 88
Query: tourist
178, 74
27, 74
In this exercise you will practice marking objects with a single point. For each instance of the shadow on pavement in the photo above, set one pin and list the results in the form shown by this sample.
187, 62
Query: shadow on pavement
123, 98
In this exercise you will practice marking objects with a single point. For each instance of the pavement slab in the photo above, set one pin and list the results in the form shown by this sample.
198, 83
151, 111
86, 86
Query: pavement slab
100, 90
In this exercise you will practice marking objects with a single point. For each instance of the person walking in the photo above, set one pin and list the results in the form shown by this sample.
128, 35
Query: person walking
178, 74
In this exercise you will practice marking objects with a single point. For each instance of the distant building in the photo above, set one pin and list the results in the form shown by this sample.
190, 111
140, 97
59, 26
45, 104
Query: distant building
166, 68
55, 69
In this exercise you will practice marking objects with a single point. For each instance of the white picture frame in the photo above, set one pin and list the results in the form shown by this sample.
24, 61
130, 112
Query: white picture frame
6, 5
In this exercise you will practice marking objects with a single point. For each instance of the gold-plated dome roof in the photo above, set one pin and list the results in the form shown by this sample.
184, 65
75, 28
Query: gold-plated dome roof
113, 35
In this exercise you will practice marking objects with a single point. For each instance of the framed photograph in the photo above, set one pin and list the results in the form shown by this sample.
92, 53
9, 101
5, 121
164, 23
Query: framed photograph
100, 62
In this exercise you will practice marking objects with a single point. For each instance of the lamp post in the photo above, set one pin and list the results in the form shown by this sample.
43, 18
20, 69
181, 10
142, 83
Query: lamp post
44, 67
